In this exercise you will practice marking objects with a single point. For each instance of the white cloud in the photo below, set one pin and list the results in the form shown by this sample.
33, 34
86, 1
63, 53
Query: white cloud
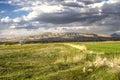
31, 16
9, 33
49, 8
18, 19
1, 12
16, 33
12, 27
22, 9
6, 20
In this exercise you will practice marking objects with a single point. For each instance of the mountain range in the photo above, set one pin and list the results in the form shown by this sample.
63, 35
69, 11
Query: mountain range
115, 35
64, 37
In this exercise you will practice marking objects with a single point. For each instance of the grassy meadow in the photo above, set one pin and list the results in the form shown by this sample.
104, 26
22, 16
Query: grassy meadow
58, 61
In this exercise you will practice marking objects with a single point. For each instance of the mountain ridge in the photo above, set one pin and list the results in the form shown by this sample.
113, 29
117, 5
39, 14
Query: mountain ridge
56, 37
115, 35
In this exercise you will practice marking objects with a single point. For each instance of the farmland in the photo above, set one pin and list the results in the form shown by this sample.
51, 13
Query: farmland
60, 61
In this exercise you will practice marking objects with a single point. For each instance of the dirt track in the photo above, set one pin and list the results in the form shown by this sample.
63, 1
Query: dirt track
82, 47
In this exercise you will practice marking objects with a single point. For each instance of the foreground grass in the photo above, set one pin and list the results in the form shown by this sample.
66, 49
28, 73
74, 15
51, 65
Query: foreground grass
55, 62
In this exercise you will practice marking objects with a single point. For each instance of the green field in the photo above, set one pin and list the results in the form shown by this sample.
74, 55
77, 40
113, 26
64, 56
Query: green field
58, 61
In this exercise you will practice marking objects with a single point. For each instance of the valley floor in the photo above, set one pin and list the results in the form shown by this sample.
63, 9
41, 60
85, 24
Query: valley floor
61, 61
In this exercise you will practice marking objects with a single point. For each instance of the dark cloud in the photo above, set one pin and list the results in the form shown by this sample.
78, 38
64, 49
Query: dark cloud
107, 16
59, 18
87, 2
69, 17
72, 4
111, 8
27, 27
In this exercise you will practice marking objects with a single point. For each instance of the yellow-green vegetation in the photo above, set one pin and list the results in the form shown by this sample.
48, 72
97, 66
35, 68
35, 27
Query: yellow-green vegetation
60, 61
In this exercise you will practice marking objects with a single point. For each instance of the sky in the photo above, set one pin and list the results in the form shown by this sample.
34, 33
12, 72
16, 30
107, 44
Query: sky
32, 17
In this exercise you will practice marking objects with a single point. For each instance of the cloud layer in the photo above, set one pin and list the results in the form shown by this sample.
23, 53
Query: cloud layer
101, 16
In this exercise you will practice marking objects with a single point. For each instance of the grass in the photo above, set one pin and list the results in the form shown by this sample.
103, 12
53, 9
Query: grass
106, 47
110, 49
56, 61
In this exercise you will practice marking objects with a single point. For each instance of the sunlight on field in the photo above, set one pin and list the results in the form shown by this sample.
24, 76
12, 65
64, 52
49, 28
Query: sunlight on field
60, 61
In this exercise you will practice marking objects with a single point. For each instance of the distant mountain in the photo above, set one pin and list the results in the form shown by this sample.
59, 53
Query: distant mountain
66, 35
61, 37
115, 35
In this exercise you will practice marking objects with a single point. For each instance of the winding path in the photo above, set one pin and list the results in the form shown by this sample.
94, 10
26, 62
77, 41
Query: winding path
80, 47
